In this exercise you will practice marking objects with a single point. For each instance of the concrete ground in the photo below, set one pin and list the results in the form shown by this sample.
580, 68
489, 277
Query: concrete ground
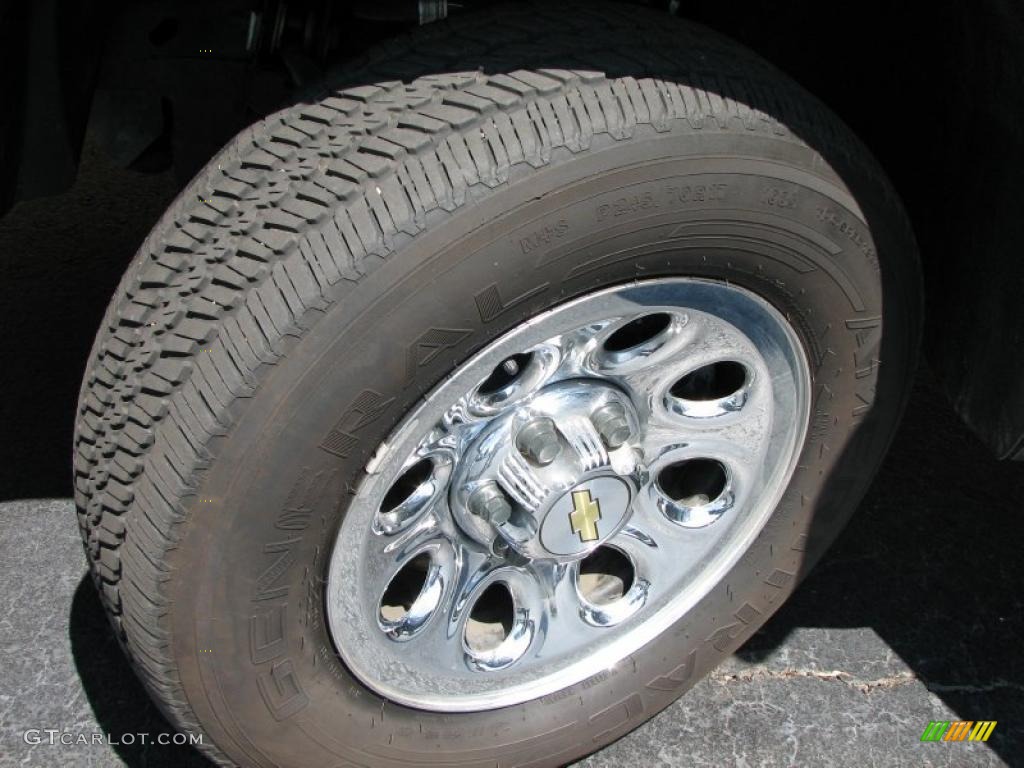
914, 615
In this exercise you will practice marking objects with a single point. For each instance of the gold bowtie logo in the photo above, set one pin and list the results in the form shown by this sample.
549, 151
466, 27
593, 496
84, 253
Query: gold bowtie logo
584, 516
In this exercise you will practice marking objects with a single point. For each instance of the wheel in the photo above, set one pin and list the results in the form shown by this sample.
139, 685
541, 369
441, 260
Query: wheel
472, 420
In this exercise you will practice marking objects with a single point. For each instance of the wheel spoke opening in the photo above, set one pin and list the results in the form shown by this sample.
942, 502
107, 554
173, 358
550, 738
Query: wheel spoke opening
637, 343
694, 482
694, 492
491, 619
498, 631
637, 333
711, 382
609, 587
404, 588
606, 575
411, 597
408, 495
711, 390
406, 485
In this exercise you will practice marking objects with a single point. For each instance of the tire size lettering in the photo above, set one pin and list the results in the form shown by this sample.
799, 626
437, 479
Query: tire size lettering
671, 195
623, 206
776, 197
684, 194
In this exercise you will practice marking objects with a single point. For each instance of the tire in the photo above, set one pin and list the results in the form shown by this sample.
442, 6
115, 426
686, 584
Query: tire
339, 259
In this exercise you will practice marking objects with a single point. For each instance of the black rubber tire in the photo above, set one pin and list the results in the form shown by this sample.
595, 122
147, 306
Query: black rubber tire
337, 259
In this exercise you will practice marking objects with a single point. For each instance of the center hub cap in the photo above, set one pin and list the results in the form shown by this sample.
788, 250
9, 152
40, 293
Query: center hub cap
585, 516
563, 466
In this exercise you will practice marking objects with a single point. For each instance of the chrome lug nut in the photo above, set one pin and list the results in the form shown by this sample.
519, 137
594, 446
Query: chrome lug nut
611, 423
538, 441
489, 503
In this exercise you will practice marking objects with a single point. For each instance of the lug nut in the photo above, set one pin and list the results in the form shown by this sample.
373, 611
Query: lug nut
611, 423
490, 503
538, 441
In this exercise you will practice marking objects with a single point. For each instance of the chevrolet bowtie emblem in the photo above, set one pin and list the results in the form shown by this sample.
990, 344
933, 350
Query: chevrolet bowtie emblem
584, 516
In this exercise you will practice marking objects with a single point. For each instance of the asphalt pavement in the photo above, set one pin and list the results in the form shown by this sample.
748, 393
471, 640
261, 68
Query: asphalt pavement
914, 615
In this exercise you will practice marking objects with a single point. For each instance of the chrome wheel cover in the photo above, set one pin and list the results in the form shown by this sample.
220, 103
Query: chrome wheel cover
567, 494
